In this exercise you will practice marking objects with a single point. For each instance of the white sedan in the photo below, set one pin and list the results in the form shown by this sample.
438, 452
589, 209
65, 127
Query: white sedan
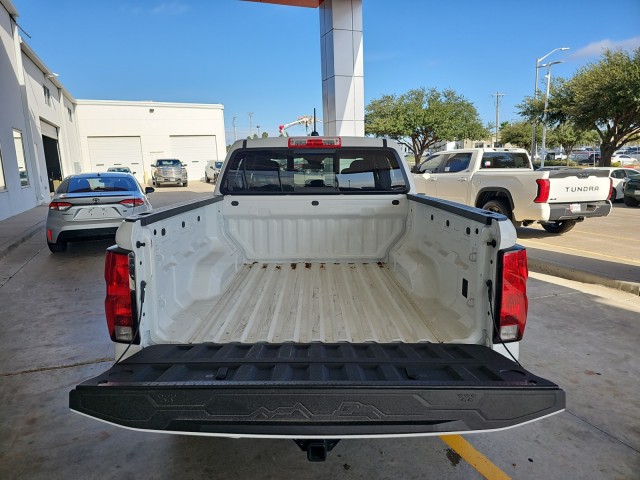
618, 175
624, 159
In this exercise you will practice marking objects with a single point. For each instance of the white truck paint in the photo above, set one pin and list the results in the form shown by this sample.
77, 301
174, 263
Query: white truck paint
315, 296
503, 180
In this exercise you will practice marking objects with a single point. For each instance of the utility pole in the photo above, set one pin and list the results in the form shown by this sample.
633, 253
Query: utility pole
251, 124
233, 122
497, 95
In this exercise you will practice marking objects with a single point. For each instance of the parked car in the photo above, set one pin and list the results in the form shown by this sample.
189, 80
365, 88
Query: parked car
92, 205
624, 159
581, 157
632, 190
503, 180
617, 175
169, 171
212, 170
119, 169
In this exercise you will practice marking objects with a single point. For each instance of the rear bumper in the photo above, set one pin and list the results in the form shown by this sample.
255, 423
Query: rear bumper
566, 211
85, 234
317, 390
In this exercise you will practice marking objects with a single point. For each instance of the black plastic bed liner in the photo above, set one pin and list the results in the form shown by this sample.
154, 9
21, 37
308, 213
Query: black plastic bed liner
317, 389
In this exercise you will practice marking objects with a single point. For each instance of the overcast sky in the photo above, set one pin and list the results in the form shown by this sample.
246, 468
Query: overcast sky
265, 59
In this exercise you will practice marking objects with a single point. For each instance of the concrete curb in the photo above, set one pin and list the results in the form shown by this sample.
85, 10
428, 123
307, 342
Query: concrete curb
557, 270
26, 235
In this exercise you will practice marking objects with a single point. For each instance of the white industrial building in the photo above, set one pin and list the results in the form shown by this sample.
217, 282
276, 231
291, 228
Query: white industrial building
136, 134
46, 134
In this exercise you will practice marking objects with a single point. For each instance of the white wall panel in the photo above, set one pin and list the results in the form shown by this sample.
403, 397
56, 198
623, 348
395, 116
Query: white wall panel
105, 152
195, 151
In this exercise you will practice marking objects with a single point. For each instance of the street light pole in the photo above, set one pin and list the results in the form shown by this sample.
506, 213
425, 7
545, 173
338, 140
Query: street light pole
535, 95
544, 112
497, 95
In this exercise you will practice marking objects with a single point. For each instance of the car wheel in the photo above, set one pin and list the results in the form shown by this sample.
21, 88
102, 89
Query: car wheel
561, 226
206, 179
498, 206
630, 201
614, 195
57, 247
184, 184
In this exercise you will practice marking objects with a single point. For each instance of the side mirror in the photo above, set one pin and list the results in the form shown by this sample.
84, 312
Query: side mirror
149, 190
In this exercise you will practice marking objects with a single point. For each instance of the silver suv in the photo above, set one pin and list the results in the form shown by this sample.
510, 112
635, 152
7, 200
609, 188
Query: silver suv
169, 171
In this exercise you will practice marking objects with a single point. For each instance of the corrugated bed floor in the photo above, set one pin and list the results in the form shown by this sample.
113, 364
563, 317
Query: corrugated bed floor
324, 302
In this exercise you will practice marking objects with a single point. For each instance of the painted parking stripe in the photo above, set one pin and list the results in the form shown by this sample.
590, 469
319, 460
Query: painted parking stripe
474, 458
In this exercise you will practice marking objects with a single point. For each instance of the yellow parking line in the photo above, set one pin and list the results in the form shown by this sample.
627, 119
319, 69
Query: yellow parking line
474, 458
584, 232
524, 242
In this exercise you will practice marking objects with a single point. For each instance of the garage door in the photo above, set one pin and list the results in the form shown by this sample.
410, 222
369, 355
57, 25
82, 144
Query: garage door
105, 152
195, 151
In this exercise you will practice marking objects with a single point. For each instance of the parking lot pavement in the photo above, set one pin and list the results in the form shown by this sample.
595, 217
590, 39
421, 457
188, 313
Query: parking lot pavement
603, 251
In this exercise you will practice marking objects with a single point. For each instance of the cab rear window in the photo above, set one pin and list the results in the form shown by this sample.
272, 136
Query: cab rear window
504, 160
257, 171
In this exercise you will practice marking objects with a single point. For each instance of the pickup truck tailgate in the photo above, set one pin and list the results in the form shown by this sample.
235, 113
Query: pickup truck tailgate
578, 186
317, 390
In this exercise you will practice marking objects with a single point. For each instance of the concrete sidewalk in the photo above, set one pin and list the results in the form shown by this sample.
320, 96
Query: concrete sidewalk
585, 268
19, 228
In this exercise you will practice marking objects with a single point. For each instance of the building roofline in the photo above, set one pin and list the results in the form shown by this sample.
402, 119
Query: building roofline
148, 103
10, 7
28, 51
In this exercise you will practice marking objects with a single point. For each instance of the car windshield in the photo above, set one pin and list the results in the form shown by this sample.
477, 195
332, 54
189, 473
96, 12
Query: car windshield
103, 183
168, 163
311, 172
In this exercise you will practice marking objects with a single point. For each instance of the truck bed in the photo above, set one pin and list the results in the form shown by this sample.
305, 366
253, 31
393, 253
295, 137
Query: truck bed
314, 302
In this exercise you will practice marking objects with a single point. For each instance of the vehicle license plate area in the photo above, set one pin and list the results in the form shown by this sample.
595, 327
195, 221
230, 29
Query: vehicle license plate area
575, 207
97, 213
637, 192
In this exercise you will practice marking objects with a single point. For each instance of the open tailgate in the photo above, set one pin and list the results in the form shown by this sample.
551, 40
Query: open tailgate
317, 390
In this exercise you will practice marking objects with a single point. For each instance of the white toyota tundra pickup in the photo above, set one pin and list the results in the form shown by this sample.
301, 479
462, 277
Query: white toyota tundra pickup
315, 296
503, 180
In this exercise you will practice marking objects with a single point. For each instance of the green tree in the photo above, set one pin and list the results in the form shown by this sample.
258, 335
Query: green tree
602, 96
568, 136
421, 118
265, 135
518, 133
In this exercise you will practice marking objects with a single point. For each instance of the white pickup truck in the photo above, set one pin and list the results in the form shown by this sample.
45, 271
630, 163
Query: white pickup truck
503, 180
316, 297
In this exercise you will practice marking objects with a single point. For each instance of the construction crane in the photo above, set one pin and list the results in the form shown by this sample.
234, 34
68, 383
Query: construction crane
306, 120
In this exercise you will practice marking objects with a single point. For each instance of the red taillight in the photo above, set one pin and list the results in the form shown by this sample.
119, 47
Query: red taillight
61, 206
610, 187
132, 202
544, 187
512, 295
118, 305
315, 142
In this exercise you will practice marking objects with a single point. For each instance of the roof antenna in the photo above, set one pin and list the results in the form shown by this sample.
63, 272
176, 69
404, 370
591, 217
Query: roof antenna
315, 132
